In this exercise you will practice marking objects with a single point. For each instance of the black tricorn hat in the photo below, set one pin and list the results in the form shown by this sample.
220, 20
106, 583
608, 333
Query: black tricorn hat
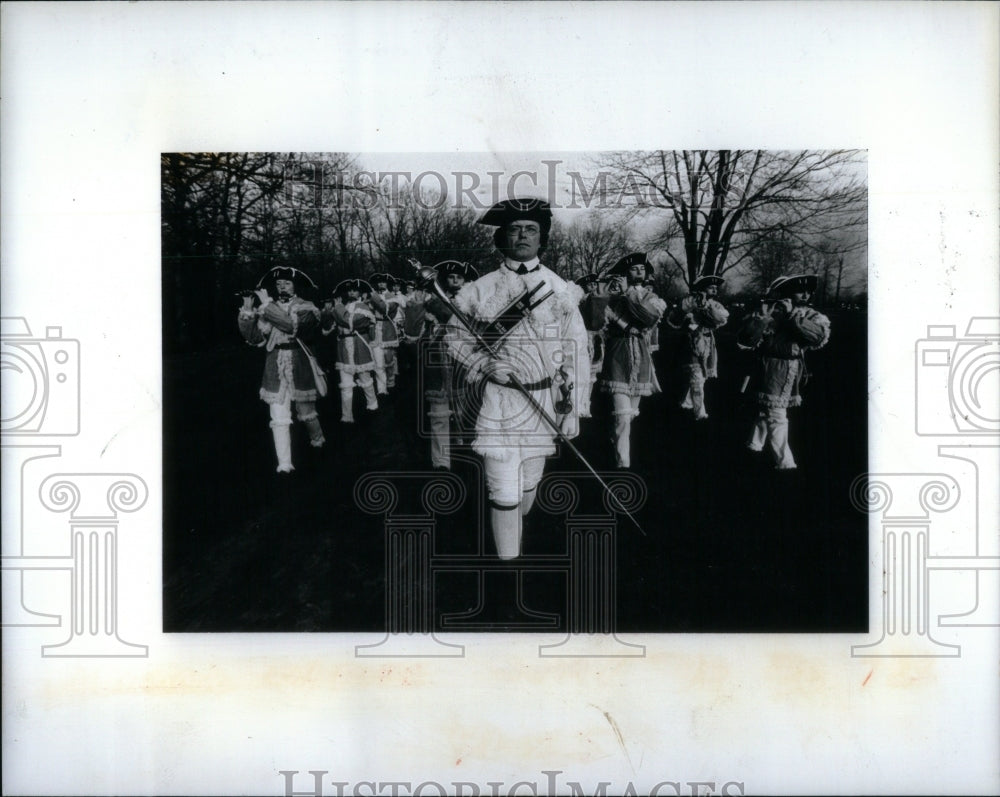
709, 279
382, 276
299, 278
528, 209
783, 287
586, 280
635, 259
357, 284
446, 267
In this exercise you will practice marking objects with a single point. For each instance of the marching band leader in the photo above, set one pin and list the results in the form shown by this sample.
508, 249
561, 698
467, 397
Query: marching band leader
543, 352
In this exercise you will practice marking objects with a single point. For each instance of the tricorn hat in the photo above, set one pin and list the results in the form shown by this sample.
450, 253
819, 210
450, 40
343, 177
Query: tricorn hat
709, 279
528, 209
446, 267
586, 279
354, 283
783, 287
382, 276
620, 268
299, 278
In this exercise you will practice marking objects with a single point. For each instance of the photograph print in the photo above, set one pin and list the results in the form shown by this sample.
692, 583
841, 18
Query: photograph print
575, 393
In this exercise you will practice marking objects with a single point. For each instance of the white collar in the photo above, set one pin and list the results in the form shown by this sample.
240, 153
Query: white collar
513, 265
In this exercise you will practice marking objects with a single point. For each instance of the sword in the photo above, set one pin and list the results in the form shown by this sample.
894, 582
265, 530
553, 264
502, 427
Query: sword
506, 322
429, 276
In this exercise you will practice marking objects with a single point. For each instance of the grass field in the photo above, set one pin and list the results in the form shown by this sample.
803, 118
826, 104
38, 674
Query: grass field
731, 544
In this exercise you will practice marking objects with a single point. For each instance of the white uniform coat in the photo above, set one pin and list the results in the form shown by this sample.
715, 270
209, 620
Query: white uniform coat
549, 344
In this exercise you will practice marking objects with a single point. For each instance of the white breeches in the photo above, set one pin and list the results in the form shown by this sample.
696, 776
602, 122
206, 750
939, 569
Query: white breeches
439, 415
771, 428
512, 486
347, 382
378, 354
508, 480
625, 408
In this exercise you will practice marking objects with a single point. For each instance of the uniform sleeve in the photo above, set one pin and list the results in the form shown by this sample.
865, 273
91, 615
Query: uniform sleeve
249, 328
306, 318
461, 345
277, 317
644, 309
812, 327
713, 315
378, 303
681, 315
359, 322
329, 320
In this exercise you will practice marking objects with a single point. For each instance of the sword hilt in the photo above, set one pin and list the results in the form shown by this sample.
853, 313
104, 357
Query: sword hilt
535, 304
497, 330
564, 406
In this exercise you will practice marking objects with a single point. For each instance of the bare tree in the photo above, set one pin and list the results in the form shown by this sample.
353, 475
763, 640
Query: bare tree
210, 203
776, 253
403, 224
719, 205
591, 243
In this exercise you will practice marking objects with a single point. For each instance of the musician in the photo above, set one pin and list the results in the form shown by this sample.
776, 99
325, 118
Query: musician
542, 352
416, 325
592, 308
386, 304
283, 325
627, 374
353, 323
443, 377
396, 300
698, 315
782, 331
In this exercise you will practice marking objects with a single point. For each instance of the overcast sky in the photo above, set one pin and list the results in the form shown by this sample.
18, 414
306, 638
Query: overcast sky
525, 173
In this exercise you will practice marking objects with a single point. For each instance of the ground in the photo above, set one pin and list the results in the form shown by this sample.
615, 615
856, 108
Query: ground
730, 544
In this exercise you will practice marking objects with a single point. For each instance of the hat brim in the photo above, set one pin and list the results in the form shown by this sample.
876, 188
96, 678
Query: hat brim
806, 283
621, 270
299, 278
510, 210
704, 282
464, 270
354, 283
